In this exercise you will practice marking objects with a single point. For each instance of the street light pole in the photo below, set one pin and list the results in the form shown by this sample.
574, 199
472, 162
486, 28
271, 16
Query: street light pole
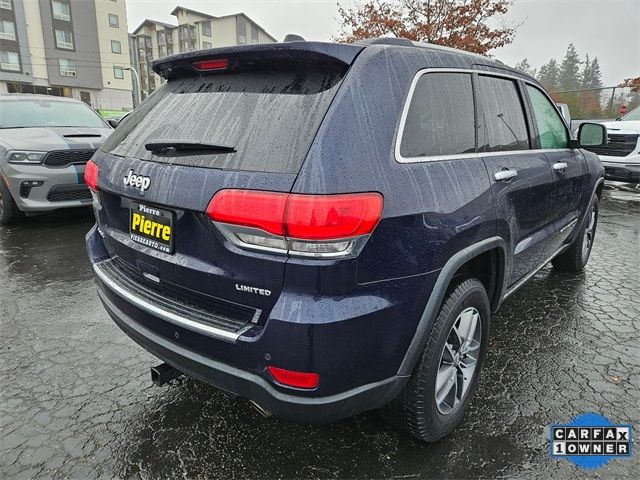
134, 72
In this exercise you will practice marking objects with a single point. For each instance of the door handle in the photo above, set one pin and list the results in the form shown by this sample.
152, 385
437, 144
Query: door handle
560, 167
505, 175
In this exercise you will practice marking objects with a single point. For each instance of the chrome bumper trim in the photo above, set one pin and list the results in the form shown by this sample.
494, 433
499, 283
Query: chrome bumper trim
164, 314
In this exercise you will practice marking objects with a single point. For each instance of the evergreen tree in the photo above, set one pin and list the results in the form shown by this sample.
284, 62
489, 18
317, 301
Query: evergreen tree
548, 75
526, 67
573, 74
585, 76
595, 76
570, 69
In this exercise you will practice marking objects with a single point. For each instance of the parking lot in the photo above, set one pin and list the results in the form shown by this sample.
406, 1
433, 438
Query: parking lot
77, 401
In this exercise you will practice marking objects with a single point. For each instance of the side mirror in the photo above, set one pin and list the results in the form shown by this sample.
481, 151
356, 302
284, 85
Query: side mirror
592, 135
114, 122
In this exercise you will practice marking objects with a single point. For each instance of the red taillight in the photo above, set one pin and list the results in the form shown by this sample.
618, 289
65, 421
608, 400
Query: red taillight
294, 379
210, 65
305, 217
263, 210
329, 217
91, 175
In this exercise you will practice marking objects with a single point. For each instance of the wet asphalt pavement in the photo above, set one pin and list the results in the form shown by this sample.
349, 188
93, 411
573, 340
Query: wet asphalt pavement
76, 399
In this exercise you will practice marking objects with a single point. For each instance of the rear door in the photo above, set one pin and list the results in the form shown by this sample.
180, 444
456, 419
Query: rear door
154, 199
521, 178
569, 168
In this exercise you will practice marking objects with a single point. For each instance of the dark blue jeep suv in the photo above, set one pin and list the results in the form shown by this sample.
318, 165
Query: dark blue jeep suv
325, 229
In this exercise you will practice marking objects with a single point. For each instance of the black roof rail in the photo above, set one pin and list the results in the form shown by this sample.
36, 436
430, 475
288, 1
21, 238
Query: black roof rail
401, 42
405, 42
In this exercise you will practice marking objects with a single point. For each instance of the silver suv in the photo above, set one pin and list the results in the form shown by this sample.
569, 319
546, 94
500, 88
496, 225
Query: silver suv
45, 143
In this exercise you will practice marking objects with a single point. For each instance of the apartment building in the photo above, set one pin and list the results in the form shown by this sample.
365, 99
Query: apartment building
193, 31
71, 48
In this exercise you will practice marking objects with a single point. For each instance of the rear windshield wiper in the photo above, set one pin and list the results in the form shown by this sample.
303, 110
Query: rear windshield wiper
159, 145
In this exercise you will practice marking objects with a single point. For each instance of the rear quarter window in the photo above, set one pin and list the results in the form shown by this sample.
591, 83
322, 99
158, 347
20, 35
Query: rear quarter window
440, 119
269, 118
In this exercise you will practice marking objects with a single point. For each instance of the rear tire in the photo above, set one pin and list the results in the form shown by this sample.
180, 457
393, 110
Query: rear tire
452, 359
576, 257
9, 211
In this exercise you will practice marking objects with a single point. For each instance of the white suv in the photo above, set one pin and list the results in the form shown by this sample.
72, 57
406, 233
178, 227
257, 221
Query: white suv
621, 154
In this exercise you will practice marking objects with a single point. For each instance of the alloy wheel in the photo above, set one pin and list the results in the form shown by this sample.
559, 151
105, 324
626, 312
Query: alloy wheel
458, 360
589, 233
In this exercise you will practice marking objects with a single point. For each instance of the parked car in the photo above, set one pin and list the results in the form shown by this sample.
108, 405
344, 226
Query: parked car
621, 154
325, 229
45, 142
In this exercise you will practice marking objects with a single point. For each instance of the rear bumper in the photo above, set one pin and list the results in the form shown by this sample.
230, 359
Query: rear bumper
253, 387
355, 344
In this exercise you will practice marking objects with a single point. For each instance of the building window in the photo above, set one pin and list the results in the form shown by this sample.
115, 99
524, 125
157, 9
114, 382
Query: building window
9, 61
5, 4
160, 37
206, 29
254, 34
61, 10
39, 90
118, 73
113, 21
242, 30
161, 50
7, 30
115, 46
67, 67
206, 45
64, 39
86, 97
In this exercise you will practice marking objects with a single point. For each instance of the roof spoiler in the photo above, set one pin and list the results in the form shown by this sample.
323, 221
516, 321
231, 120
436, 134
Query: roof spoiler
331, 56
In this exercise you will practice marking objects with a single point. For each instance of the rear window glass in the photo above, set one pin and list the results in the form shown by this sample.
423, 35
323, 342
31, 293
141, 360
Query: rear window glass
269, 118
440, 117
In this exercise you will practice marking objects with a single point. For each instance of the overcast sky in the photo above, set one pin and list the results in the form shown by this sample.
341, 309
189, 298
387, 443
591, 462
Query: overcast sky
608, 29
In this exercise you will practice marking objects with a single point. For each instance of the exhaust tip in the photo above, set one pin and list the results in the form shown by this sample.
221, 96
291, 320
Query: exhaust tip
261, 410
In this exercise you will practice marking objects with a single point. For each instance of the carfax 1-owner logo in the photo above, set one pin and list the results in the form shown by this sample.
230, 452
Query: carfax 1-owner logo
591, 440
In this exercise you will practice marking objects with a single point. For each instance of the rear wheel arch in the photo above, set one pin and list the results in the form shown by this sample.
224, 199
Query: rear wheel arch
491, 249
489, 268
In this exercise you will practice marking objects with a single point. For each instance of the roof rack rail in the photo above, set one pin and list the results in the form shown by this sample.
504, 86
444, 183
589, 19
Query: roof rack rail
405, 42
402, 42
